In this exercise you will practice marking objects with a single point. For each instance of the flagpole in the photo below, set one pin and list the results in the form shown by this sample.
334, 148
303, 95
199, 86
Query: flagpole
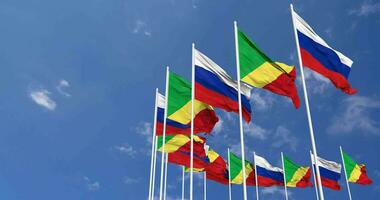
315, 178
229, 175
283, 168
183, 182
345, 174
256, 179
240, 112
192, 121
166, 174
314, 148
153, 145
204, 185
164, 131
154, 166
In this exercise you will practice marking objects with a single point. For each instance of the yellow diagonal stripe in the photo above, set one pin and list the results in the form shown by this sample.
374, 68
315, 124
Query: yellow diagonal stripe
355, 174
239, 178
265, 74
297, 176
183, 115
175, 143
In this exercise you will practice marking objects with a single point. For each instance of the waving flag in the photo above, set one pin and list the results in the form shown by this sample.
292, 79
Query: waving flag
236, 171
258, 70
216, 88
179, 110
296, 176
317, 55
356, 173
216, 170
171, 125
330, 172
267, 175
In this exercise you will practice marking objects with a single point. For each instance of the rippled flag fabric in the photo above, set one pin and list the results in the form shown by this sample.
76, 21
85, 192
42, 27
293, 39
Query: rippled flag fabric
296, 176
355, 173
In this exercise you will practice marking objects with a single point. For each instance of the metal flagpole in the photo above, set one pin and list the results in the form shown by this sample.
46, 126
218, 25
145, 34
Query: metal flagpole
204, 185
183, 182
283, 169
240, 112
229, 175
154, 166
345, 174
315, 178
164, 131
192, 121
153, 145
166, 174
314, 148
256, 179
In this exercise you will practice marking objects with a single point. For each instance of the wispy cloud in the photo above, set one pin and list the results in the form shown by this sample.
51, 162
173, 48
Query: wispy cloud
91, 185
316, 83
262, 100
140, 27
365, 9
146, 130
256, 131
42, 98
126, 149
218, 126
275, 190
356, 115
61, 86
130, 180
283, 137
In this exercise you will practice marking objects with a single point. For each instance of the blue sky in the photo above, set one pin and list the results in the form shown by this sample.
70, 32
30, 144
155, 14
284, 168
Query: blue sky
77, 88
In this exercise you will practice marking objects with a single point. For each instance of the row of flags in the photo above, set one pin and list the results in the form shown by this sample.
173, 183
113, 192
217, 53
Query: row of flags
224, 171
214, 88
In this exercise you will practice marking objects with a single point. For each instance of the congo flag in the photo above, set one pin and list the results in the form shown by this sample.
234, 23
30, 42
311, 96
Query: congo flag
296, 176
260, 71
355, 173
236, 171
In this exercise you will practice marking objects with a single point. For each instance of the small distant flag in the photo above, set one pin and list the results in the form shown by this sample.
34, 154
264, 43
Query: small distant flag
329, 171
259, 71
216, 88
296, 176
317, 55
267, 175
355, 173
236, 171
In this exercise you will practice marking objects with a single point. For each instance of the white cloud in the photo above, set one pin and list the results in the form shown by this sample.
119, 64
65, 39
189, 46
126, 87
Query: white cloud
218, 126
41, 97
91, 185
126, 149
356, 115
283, 137
365, 9
146, 130
141, 27
130, 180
256, 131
262, 100
315, 82
275, 190
60, 87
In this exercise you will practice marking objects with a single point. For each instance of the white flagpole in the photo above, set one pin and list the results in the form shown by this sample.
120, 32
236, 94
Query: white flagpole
166, 174
192, 122
229, 175
204, 185
154, 166
256, 179
153, 146
164, 131
314, 148
345, 174
283, 169
183, 182
315, 178
240, 112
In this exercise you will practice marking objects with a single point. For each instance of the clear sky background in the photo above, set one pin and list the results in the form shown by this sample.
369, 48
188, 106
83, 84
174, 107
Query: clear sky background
77, 88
